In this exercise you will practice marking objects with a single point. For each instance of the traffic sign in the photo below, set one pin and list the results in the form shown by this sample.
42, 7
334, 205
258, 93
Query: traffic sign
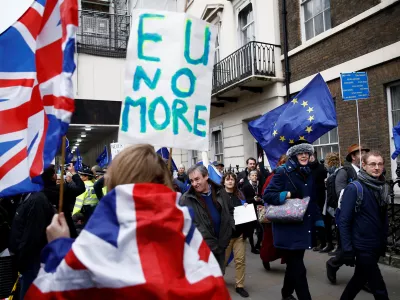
354, 85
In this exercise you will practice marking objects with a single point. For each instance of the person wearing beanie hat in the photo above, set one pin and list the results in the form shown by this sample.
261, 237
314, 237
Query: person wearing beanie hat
294, 180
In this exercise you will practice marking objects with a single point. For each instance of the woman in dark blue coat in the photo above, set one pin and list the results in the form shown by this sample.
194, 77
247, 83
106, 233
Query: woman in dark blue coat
294, 180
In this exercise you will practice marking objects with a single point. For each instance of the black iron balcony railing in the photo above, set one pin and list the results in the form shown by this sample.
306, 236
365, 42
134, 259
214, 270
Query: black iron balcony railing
103, 34
254, 58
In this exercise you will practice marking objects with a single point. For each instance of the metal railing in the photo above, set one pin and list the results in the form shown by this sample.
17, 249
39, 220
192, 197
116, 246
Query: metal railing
254, 58
103, 34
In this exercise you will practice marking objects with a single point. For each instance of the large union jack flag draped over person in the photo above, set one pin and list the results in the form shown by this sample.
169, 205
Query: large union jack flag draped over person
138, 244
36, 94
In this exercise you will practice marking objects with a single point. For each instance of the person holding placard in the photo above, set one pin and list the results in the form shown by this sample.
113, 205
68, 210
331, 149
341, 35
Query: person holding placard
294, 180
239, 234
212, 210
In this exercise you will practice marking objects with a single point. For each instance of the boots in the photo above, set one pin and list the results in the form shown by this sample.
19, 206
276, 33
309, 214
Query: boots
327, 248
335, 251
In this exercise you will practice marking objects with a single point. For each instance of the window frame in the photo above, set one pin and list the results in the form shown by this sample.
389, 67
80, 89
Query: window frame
217, 133
245, 27
331, 144
303, 20
194, 158
393, 163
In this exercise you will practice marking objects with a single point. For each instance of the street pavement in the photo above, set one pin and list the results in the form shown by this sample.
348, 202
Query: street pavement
262, 284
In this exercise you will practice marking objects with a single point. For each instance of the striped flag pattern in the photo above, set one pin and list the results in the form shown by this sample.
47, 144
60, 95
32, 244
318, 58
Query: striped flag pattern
138, 244
36, 93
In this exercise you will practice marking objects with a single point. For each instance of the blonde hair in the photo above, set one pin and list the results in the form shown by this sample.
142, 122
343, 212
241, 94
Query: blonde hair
138, 164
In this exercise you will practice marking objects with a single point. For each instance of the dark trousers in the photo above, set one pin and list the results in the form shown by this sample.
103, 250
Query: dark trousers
328, 228
27, 277
220, 256
259, 233
295, 275
366, 270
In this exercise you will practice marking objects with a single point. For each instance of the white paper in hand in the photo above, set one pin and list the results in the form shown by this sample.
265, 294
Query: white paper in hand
244, 214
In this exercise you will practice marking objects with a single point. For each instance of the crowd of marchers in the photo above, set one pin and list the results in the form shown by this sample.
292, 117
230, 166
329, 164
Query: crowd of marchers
346, 216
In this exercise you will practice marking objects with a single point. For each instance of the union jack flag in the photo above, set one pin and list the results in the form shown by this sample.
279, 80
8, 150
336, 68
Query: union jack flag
36, 94
138, 244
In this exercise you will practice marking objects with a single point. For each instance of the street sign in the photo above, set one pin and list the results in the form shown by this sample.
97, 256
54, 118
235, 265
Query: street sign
354, 85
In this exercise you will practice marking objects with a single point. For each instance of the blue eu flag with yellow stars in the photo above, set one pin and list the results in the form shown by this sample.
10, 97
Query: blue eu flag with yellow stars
307, 116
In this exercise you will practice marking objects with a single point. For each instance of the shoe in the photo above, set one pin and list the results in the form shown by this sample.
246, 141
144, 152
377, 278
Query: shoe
242, 292
367, 288
289, 298
258, 247
316, 249
267, 266
330, 273
328, 248
335, 251
255, 251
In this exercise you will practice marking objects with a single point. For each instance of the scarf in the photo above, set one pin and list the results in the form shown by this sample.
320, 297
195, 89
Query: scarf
304, 170
377, 185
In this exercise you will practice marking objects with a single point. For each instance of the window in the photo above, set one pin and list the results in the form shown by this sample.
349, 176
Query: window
218, 146
217, 56
246, 24
329, 142
194, 157
316, 17
393, 95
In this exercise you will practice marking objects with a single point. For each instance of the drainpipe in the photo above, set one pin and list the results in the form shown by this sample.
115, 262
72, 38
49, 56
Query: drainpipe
285, 41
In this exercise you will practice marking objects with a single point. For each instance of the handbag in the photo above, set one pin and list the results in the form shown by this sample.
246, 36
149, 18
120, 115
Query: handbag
291, 211
262, 211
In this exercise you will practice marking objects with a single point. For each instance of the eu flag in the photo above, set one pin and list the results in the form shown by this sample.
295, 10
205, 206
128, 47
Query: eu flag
307, 116
164, 153
102, 160
396, 138
68, 154
78, 163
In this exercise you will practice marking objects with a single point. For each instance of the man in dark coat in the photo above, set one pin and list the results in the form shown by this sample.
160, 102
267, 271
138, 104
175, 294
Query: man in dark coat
71, 191
213, 212
363, 224
243, 177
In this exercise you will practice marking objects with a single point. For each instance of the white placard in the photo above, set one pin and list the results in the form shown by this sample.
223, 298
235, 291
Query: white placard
168, 81
244, 214
116, 148
11, 11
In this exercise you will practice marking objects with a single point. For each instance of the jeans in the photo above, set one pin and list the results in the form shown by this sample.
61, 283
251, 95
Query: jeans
27, 277
239, 252
366, 270
296, 275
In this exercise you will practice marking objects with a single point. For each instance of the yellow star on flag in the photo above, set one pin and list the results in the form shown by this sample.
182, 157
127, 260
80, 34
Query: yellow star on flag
310, 109
309, 129
275, 132
294, 101
291, 141
311, 118
302, 138
282, 138
305, 103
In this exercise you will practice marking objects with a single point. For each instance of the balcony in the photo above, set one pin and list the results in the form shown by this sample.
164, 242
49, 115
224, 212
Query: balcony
103, 34
249, 68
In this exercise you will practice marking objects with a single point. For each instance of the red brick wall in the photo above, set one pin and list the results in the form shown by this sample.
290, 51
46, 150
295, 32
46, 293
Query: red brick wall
371, 34
343, 10
374, 125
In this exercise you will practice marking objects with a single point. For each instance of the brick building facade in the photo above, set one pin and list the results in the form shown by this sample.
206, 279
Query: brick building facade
352, 36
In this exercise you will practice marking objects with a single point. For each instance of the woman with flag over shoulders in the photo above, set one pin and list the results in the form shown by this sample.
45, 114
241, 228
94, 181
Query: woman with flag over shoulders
294, 180
139, 243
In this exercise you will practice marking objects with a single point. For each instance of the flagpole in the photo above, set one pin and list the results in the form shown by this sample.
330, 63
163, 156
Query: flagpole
359, 135
61, 199
186, 6
169, 158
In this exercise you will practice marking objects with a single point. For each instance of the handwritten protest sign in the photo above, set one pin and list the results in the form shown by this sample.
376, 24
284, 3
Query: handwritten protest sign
115, 149
168, 81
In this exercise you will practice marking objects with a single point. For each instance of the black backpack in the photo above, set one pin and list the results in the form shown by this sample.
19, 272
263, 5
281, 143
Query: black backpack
331, 196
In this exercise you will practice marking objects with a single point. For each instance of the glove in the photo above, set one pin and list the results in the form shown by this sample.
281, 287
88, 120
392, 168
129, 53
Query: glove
296, 194
349, 259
